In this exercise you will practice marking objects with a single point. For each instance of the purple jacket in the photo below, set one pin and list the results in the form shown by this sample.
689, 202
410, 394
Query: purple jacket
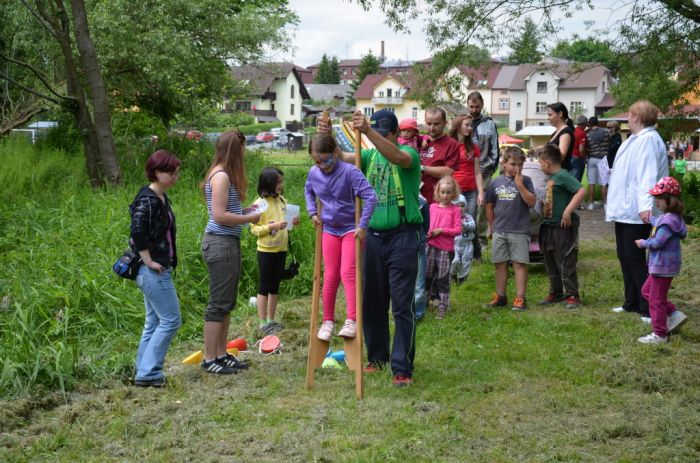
665, 244
337, 191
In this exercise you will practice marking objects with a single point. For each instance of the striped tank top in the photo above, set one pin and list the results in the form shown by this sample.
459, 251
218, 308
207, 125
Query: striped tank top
233, 206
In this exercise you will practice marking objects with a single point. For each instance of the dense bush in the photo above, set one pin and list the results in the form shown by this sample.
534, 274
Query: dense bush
691, 197
64, 316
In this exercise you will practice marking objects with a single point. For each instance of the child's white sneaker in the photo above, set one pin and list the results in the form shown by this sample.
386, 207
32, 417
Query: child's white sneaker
653, 338
675, 321
326, 330
349, 329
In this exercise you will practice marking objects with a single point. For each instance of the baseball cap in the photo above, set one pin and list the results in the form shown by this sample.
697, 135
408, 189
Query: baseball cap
408, 123
581, 120
384, 121
666, 185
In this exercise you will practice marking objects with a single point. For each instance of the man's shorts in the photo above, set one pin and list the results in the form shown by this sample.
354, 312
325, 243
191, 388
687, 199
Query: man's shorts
513, 247
594, 177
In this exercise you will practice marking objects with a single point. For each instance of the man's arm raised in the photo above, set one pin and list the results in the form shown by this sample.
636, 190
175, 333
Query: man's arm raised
386, 146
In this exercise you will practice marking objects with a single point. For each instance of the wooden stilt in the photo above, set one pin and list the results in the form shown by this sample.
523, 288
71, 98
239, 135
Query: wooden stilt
317, 347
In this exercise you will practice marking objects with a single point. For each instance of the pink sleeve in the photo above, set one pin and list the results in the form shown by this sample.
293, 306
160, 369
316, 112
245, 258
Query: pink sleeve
456, 226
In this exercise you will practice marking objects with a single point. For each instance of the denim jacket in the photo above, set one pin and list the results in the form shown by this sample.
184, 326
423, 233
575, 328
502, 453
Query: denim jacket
665, 244
149, 227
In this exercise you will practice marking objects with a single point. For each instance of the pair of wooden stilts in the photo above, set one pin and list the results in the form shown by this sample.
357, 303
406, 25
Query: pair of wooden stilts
353, 346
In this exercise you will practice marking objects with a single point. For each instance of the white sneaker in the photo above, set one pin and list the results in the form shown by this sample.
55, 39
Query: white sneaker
645, 320
652, 338
618, 309
675, 321
326, 330
590, 206
348, 330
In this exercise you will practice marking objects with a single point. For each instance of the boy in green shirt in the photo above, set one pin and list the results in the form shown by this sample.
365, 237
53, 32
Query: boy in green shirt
558, 235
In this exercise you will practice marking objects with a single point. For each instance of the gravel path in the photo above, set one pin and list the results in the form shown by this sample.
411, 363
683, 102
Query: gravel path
593, 225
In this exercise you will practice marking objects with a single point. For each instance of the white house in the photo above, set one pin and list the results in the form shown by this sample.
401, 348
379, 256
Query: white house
583, 87
275, 92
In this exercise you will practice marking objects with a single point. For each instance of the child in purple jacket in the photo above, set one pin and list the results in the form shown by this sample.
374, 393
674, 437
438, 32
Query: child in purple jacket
664, 260
335, 184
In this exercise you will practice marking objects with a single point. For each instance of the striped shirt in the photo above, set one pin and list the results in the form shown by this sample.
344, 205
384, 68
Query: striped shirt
233, 206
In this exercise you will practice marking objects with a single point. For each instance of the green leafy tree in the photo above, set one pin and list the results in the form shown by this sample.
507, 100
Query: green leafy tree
334, 71
587, 50
527, 47
668, 28
369, 64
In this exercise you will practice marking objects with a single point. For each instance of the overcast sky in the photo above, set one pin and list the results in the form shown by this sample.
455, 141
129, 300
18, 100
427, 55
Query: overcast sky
341, 28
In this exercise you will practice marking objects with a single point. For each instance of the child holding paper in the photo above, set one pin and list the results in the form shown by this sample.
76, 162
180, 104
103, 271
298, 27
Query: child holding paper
273, 240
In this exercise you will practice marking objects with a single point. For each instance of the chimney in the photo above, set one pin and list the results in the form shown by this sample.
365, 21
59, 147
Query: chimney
381, 55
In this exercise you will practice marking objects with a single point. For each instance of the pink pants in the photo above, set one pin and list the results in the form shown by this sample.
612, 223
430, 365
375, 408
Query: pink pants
338, 264
655, 290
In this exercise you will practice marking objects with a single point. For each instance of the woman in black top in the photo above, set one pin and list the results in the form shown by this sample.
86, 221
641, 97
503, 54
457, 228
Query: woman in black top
563, 137
153, 237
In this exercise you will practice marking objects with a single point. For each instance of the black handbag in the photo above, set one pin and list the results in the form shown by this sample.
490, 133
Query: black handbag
128, 264
292, 269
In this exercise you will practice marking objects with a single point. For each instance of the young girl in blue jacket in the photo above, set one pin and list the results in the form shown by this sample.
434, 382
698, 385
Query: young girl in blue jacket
664, 260
335, 184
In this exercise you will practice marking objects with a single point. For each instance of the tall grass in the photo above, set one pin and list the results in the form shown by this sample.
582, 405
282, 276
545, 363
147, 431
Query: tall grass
64, 316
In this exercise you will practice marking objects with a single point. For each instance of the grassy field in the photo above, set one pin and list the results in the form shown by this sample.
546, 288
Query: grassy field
490, 385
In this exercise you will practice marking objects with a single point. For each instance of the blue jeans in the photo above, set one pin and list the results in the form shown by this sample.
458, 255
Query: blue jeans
420, 298
578, 165
472, 209
162, 322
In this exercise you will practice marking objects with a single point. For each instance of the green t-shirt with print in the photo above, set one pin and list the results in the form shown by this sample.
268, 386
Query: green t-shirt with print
679, 166
379, 174
561, 187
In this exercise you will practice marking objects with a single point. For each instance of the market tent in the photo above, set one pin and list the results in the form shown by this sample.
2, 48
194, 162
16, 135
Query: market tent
503, 139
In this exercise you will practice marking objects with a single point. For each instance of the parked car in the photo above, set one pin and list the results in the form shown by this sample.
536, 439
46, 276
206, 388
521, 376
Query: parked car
280, 133
195, 135
250, 139
264, 137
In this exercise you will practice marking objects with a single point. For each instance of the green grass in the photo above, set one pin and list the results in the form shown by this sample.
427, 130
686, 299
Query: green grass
490, 385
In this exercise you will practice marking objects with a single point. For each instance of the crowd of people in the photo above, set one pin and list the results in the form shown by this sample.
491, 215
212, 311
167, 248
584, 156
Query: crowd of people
430, 203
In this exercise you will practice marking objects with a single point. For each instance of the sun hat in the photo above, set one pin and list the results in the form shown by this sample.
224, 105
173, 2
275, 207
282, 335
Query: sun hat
408, 123
666, 185
384, 121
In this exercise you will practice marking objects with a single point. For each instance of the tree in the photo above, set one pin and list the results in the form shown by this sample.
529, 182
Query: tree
369, 64
668, 28
324, 68
169, 58
334, 73
587, 50
527, 47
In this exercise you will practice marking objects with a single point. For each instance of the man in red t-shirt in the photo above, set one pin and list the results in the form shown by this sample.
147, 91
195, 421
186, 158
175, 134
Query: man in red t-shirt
439, 155
578, 156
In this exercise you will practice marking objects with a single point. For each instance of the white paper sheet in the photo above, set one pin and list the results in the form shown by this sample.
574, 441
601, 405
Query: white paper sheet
291, 213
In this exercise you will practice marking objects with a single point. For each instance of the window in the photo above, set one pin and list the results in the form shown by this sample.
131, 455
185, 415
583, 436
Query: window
243, 105
504, 92
381, 93
576, 107
390, 109
388, 92
414, 112
368, 111
603, 86
541, 107
291, 109
503, 103
518, 104
518, 126
292, 94
540, 123
345, 72
541, 87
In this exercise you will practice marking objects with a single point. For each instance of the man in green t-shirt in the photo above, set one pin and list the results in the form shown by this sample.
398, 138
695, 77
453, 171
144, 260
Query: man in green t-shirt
391, 247
558, 237
679, 166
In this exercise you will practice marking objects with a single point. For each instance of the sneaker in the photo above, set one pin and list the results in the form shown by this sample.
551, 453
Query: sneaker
372, 367
675, 321
441, 313
497, 301
619, 310
572, 302
217, 367
326, 330
348, 330
401, 380
234, 362
552, 299
653, 338
519, 304
590, 206
159, 382
434, 303
645, 320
